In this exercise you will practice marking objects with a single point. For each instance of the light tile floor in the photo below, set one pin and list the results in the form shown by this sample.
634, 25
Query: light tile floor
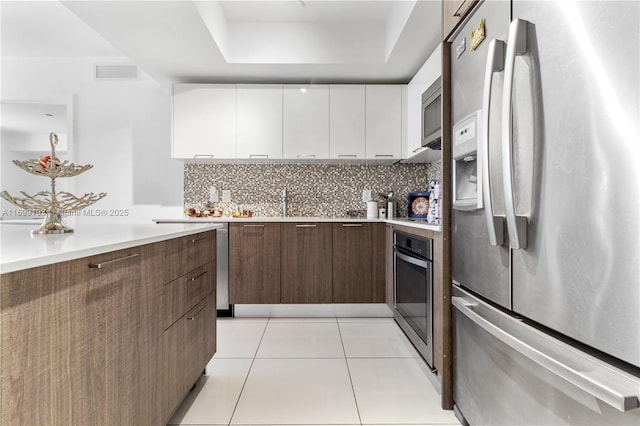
313, 371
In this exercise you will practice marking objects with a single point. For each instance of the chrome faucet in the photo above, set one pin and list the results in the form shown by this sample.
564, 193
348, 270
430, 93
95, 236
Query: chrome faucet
285, 200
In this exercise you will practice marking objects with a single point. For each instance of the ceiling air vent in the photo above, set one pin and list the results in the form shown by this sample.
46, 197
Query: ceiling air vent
116, 72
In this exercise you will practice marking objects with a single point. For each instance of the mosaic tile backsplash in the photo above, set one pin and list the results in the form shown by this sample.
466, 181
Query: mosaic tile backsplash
313, 189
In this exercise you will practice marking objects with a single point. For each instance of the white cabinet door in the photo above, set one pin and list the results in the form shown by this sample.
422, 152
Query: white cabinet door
425, 77
259, 126
204, 121
347, 121
305, 131
384, 122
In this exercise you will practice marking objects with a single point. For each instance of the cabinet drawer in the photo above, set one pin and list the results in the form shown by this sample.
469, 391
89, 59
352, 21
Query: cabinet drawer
186, 348
199, 329
187, 253
183, 293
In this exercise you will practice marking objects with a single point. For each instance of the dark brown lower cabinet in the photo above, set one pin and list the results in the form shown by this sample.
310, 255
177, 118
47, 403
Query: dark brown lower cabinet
303, 262
358, 262
307, 255
85, 345
254, 262
186, 347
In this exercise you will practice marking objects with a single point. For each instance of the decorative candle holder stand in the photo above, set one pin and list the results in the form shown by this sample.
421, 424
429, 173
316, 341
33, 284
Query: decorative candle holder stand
53, 204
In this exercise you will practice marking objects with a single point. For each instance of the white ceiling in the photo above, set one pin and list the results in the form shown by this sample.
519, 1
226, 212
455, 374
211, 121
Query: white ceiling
292, 41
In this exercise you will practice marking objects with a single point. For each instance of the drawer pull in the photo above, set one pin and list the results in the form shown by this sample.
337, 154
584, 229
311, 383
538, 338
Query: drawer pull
461, 9
195, 240
253, 226
306, 156
306, 226
201, 274
383, 156
112, 262
352, 225
192, 317
258, 155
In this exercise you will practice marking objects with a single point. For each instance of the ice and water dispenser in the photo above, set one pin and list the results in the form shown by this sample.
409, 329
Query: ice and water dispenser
466, 153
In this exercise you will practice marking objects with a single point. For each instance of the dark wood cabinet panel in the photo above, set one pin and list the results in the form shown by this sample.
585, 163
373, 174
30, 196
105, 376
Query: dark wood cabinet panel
306, 262
254, 263
307, 254
358, 262
48, 323
441, 308
81, 344
118, 287
378, 266
185, 292
453, 12
185, 349
389, 273
186, 253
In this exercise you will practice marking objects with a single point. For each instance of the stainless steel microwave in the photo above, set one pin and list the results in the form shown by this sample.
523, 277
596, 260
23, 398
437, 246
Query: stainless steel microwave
431, 116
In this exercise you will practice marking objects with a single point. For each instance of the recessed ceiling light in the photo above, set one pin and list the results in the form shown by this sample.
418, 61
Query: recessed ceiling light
303, 90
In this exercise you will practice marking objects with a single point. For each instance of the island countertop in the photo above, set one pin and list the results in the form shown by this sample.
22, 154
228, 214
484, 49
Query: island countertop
20, 250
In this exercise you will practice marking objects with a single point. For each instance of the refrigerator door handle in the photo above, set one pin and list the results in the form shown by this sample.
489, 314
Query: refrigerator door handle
516, 46
598, 379
495, 63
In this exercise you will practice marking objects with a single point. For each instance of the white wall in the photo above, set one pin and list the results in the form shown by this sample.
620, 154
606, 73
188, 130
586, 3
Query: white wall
426, 75
123, 128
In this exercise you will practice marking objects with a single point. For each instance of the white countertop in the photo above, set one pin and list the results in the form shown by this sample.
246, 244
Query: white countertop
21, 250
225, 219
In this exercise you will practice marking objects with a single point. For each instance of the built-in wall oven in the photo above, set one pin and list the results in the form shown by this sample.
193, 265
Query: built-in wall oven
413, 285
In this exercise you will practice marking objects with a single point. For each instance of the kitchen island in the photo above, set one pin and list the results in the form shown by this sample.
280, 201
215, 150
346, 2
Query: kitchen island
108, 325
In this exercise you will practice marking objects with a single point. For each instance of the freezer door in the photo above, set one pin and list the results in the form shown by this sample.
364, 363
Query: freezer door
476, 264
576, 145
508, 373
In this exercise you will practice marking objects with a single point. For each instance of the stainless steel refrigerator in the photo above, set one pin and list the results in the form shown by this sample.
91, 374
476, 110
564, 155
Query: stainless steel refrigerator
546, 215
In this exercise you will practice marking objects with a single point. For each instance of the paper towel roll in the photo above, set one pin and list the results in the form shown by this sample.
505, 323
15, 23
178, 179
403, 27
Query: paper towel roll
372, 209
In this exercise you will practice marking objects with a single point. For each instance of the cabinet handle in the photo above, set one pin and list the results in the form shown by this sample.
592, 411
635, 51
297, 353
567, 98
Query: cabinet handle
383, 156
203, 156
258, 155
461, 9
195, 240
420, 148
112, 262
199, 275
305, 226
253, 226
192, 317
306, 156
352, 225
347, 156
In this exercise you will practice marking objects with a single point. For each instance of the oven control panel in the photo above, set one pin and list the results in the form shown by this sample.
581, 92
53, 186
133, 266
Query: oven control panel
420, 246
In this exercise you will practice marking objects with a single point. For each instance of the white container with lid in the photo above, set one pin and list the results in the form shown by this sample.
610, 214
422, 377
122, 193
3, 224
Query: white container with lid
372, 209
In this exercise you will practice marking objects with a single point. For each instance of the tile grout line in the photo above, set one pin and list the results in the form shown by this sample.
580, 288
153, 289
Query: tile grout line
353, 391
233, 413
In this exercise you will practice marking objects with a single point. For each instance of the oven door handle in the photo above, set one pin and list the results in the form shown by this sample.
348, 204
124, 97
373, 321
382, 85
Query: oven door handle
412, 260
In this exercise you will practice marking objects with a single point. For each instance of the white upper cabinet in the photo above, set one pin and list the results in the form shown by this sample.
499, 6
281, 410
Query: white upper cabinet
305, 122
425, 77
259, 123
204, 121
384, 122
347, 121
290, 122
